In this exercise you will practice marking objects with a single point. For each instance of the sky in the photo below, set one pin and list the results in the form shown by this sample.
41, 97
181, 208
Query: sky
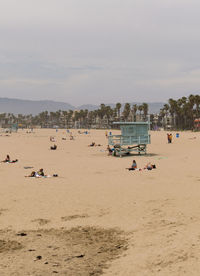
99, 51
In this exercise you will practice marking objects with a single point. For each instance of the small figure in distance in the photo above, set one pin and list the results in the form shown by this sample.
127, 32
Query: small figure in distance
169, 137
54, 147
7, 159
133, 166
52, 139
150, 166
109, 150
33, 174
40, 172
92, 144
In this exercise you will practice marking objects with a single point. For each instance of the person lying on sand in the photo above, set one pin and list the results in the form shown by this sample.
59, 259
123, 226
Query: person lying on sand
133, 166
33, 174
54, 147
39, 174
149, 166
92, 144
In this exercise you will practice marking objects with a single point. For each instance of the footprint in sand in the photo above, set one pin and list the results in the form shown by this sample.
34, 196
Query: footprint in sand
68, 218
103, 212
2, 211
9, 245
41, 221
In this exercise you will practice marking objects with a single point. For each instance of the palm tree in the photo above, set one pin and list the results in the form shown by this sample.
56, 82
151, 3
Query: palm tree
173, 110
197, 103
115, 113
126, 112
135, 108
118, 107
140, 108
145, 110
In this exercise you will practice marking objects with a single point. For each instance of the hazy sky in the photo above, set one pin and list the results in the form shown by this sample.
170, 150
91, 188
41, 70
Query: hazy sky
93, 51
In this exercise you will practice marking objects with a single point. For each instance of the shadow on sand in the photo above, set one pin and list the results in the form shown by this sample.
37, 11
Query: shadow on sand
137, 155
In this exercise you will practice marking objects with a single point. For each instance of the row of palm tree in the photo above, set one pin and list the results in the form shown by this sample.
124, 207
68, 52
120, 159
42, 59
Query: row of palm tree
99, 118
182, 112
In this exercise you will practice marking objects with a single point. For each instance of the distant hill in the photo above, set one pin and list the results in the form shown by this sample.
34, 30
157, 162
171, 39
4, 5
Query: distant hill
153, 107
18, 106
89, 107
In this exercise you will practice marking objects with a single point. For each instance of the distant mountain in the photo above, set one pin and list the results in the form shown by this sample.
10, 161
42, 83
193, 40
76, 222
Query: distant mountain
18, 106
89, 107
153, 107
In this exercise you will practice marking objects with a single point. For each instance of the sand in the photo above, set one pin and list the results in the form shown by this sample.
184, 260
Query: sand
149, 220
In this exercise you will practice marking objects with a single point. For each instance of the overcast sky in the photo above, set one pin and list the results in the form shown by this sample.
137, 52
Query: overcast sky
94, 51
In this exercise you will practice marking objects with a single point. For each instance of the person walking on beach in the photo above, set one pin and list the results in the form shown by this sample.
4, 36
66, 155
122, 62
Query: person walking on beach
169, 137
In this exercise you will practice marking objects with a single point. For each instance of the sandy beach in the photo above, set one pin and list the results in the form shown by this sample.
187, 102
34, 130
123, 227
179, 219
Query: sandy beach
96, 217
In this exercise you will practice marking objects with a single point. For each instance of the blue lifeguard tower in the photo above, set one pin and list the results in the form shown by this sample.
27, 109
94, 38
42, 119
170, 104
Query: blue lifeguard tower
134, 138
14, 128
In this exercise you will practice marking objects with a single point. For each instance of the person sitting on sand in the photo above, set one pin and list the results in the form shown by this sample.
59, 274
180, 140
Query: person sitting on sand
133, 166
7, 159
109, 150
52, 139
54, 147
40, 172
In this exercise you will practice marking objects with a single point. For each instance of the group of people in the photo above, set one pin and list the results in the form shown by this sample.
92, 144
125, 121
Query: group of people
169, 138
149, 166
39, 173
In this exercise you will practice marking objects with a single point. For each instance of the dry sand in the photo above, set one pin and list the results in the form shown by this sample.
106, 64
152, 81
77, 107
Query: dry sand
156, 213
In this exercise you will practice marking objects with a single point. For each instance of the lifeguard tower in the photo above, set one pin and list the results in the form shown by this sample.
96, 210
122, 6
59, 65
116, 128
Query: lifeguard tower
14, 128
134, 138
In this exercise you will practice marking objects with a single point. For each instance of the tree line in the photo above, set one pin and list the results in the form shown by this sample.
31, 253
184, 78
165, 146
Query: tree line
103, 117
182, 112
177, 114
